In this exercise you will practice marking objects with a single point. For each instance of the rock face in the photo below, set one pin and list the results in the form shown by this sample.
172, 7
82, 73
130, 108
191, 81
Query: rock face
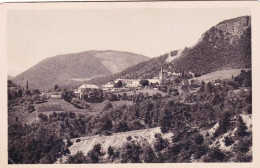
226, 45
71, 69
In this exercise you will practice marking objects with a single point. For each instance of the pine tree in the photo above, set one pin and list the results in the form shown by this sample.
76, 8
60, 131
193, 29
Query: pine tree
241, 130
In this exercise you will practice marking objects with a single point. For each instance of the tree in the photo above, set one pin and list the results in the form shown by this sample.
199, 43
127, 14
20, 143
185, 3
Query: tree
110, 151
69, 143
215, 155
95, 154
124, 96
202, 87
144, 82
95, 96
149, 155
131, 153
67, 95
224, 124
160, 143
30, 108
112, 97
77, 158
56, 87
43, 117
198, 138
228, 141
242, 128
105, 124
121, 127
209, 87
119, 84
166, 121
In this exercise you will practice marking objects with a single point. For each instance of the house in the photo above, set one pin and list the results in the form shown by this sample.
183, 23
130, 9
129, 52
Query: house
80, 89
130, 83
108, 87
77, 93
87, 86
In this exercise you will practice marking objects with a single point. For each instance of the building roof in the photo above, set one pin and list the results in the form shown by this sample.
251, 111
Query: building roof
91, 86
108, 85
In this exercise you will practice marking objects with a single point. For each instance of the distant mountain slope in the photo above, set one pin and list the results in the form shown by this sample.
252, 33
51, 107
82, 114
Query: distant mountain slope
119, 61
143, 70
69, 69
9, 77
224, 46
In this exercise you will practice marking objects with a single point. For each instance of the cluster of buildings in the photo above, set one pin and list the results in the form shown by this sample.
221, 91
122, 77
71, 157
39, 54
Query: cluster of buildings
129, 84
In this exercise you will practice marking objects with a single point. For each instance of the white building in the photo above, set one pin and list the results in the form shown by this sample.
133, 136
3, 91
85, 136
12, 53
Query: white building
108, 86
87, 86
83, 87
130, 83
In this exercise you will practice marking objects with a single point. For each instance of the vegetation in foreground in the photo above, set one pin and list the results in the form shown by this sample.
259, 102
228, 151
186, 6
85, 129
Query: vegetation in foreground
188, 114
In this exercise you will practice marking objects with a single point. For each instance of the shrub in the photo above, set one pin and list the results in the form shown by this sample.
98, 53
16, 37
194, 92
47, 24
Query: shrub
131, 153
77, 159
228, 141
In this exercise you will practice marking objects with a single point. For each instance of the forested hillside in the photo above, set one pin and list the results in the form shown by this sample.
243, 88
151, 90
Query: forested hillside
224, 46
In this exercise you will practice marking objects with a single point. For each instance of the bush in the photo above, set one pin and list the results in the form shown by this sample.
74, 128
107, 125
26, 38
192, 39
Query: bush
31, 108
215, 155
121, 127
198, 138
160, 143
95, 154
131, 153
149, 155
129, 138
77, 159
228, 141
69, 143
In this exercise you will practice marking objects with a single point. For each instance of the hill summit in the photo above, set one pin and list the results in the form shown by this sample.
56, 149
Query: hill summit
68, 69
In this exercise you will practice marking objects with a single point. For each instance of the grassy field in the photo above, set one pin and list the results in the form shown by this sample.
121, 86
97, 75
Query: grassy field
24, 116
222, 74
116, 104
59, 105
49, 107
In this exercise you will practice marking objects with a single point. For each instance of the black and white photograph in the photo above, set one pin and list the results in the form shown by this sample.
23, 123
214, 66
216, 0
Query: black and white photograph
109, 84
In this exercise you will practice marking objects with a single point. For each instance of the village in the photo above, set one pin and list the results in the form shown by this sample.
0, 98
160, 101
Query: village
155, 85
121, 85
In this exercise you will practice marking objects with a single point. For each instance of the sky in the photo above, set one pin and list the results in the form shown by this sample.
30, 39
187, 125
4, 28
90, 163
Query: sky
34, 35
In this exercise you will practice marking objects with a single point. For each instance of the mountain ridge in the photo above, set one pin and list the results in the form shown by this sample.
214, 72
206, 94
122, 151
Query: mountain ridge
85, 65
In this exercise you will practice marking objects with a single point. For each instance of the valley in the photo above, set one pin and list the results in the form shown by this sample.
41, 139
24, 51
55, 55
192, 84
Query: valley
188, 105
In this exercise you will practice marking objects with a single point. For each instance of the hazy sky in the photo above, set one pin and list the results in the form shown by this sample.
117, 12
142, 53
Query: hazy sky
34, 35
